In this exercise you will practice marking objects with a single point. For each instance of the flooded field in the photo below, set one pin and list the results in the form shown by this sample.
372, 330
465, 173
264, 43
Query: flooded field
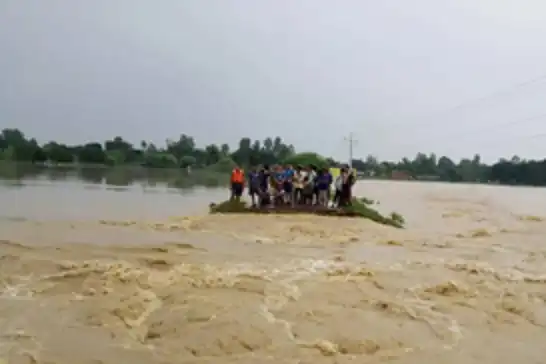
143, 275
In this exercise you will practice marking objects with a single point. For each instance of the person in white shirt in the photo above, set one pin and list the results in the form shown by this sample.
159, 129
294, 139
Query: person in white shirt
297, 197
308, 186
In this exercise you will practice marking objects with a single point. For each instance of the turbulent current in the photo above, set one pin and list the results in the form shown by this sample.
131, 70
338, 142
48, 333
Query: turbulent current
465, 282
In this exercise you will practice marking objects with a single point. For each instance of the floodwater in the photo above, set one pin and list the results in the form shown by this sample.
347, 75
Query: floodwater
90, 274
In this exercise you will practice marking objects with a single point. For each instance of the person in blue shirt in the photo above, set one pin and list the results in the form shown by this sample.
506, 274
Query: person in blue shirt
324, 180
288, 185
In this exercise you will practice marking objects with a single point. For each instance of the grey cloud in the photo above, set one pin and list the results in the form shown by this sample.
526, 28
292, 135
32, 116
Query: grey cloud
310, 71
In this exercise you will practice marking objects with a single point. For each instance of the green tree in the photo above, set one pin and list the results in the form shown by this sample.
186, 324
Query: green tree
188, 161
118, 151
58, 153
185, 145
212, 154
242, 155
91, 153
224, 165
160, 160
306, 159
225, 149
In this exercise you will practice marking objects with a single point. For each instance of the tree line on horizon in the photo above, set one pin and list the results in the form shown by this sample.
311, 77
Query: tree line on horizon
184, 152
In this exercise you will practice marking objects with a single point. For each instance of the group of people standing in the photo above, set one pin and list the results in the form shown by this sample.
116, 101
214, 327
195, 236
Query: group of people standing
291, 186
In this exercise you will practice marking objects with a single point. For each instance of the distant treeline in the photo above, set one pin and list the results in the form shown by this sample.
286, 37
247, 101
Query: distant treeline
184, 152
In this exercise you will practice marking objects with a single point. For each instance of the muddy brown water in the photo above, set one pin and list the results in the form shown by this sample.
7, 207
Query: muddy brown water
94, 275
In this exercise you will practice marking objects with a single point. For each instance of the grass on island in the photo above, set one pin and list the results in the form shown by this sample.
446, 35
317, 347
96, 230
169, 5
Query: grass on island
361, 208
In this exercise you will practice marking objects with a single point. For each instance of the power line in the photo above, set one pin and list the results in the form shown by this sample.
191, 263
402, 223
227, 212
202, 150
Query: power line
486, 144
456, 137
479, 99
511, 138
498, 93
475, 101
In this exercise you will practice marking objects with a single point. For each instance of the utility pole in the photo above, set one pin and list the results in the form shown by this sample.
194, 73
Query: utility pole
351, 141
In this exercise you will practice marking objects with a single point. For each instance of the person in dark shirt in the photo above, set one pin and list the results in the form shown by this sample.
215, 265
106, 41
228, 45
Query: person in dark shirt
351, 180
313, 176
330, 182
264, 177
307, 190
253, 185
346, 194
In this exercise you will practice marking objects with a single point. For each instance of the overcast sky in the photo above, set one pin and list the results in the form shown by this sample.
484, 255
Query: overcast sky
310, 71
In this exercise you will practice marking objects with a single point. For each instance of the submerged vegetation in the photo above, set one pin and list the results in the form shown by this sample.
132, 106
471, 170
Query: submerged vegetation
360, 208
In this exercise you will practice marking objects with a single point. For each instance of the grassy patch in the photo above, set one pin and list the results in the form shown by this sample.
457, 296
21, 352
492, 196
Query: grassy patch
360, 209
229, 207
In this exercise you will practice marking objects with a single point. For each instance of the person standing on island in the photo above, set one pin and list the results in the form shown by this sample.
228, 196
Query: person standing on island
324, 180
308, 186
277, 182
313, 175
237, 183
338, 185
288, 185
351, 180
264, 177
348, 181
298, 186
253, 186
330, 183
